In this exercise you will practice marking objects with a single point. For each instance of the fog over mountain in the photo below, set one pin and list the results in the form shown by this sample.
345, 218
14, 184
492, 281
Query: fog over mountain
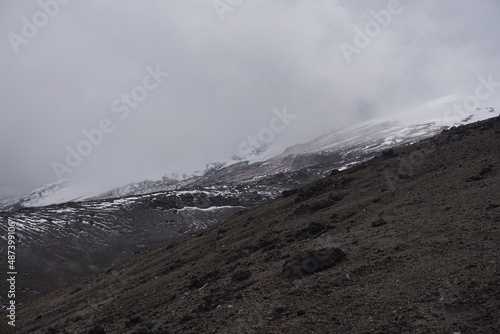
174, 85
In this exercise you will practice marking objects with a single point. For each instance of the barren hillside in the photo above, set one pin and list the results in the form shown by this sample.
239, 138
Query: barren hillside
407, 242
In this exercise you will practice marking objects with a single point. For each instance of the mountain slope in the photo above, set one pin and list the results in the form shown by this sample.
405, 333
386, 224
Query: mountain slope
343, 148
418, 225
65, 242
62, 243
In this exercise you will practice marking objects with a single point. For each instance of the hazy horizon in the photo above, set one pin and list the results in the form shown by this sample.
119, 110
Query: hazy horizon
158, 88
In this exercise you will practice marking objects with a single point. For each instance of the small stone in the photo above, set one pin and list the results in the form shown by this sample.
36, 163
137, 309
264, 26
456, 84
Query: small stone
485, 171
149, 324
241, 275
97, 330
380, 222
311, 262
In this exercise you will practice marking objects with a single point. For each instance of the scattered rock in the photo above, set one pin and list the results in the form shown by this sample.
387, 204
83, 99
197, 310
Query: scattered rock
198, 282
142, 331
53, 330
133, 320
356, 168
334, 172
97, 330
314, 261
319, 205
380, 222
288, 193
389, 154
186, 318
312, 230
315, 228
482, 174
241, 275
486, 170
220, 234
474, 178
221, 296
279, 310
336, 197
313, 190
149, 324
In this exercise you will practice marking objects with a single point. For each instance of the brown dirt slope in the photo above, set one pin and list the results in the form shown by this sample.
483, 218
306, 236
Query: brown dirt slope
419, 227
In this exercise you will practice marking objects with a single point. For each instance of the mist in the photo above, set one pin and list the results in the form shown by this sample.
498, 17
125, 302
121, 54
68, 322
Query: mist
206, 75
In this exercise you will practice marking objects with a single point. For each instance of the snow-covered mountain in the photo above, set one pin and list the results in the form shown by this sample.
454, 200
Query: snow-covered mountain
61, 243
336, 150
84, 233
339, 149
10, 194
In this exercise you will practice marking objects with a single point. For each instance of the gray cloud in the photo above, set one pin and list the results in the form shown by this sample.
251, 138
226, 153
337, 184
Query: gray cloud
225, 76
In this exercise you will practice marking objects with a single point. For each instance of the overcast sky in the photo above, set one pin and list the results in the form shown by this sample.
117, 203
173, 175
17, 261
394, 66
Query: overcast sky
228, 67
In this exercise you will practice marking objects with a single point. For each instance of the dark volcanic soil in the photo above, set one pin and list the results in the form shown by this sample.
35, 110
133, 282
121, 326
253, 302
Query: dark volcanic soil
405, 243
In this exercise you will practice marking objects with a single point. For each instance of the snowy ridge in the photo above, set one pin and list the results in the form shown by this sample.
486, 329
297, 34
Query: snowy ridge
98, 212
351, 145
72, 240
377, 135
